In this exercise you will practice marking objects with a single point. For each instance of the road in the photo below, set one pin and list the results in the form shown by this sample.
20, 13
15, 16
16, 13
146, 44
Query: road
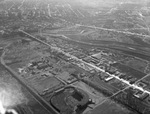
112, 30
97, 68
23, 82
123, 90
134, 49
89, 64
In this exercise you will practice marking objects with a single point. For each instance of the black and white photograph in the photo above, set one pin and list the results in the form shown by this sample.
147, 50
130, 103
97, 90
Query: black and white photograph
74, 56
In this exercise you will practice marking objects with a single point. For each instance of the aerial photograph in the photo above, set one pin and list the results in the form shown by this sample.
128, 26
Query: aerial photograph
74, 56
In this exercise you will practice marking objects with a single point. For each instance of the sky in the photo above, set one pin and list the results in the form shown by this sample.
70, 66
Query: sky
96, 3
93, 3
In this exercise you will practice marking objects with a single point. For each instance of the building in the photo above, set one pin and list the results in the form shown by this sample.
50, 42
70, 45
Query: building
42, 66
108, 78
141, 95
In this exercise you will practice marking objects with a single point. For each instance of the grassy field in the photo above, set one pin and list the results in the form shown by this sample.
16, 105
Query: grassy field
109, 107
137, 64
40, 84
130, 71
96, 96
95, 80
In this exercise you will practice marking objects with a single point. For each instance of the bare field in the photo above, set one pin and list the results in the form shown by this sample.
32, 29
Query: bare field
50, 83
96, 96
109, 107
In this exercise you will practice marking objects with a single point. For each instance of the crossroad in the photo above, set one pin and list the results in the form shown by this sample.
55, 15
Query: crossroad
91, 65
135, 86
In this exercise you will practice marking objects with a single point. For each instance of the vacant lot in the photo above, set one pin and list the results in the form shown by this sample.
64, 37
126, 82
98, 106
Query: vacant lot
109, 107
96, 96
137, 74
40, 84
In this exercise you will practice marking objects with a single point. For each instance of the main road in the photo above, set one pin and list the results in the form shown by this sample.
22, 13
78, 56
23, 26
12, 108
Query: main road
82, 63
132, 49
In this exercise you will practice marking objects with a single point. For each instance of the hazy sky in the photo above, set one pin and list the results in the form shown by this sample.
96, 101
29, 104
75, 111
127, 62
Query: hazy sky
90, 2
95, 3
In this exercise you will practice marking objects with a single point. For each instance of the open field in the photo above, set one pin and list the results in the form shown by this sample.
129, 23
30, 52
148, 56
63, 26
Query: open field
42, 84
109, 107
96, 96
130, 71
100, 86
